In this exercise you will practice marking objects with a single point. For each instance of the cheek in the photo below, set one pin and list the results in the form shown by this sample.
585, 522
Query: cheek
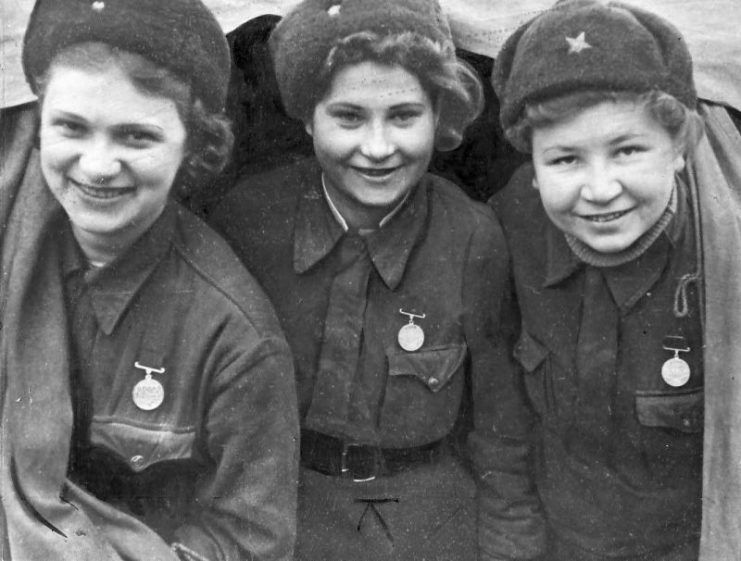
335, 145
417, 145
56, 154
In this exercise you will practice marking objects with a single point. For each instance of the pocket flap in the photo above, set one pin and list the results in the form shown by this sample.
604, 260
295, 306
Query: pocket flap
434, 367
529, 352
141, 447
682, 411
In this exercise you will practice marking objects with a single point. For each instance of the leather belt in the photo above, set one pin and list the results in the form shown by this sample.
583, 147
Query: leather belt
333, 456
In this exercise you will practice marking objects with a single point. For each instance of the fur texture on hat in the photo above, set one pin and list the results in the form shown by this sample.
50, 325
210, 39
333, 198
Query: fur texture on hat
304, 38
591, 45
180, 35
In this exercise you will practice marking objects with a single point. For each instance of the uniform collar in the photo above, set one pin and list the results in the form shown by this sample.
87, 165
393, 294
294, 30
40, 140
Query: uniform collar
627, 282
318, 231
113, 287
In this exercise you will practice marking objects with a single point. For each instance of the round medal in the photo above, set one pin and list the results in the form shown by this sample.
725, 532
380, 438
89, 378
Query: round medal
411, 337
675, 372
148, 394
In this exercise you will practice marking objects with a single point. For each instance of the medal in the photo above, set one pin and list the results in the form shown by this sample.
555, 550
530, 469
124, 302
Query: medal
675, 371
148, 394
411, 337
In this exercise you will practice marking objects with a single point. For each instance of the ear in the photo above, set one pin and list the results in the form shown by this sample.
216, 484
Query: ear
309, 128
679, 162
536, 185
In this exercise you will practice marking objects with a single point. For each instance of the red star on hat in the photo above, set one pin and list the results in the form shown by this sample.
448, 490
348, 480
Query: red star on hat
578, 44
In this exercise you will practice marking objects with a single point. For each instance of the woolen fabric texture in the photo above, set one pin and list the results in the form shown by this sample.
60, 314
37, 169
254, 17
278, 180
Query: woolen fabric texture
302, 41
180, 35
623, 49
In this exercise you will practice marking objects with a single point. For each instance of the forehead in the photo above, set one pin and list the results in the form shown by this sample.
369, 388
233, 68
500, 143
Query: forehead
103, 93
370, 84
602, 122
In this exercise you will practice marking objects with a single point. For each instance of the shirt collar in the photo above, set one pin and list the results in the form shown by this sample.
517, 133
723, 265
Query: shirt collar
627, 282
341, 219
113, 287
318, 230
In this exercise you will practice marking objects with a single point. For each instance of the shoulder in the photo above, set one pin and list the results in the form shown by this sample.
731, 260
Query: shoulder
222, 285
455, 212
518, 205
269, 194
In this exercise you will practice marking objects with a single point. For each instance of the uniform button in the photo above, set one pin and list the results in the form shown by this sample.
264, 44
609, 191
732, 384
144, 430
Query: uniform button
137, 460
433, 382
687, 422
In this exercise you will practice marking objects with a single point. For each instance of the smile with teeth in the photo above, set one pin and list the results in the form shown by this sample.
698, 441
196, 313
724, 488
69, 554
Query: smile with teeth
605, 217
375, 172
97, 192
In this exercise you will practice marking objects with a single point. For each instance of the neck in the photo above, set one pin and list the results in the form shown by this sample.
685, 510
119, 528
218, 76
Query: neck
638, 248
357, 216
101, 250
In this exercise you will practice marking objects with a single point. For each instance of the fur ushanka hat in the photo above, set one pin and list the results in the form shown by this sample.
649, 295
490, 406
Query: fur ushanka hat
180, 35
591, 45
304, 38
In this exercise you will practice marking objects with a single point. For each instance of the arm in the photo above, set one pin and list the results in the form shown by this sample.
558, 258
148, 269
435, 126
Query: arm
511, 524
248, 501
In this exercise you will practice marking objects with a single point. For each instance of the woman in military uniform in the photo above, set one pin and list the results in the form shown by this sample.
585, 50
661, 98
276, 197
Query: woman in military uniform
149, 406
386, 279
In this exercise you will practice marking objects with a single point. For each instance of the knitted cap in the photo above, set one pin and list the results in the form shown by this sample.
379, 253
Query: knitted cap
180, 35
303, 39
588, 45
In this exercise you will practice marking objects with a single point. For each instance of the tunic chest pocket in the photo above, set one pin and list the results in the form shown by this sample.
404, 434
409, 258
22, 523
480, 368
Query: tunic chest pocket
141, 447
424, 390
547, 384
677, 410
671, 425
433, 367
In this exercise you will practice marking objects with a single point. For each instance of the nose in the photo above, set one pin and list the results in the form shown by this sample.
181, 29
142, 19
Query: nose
376, 143
601, 185
98, 161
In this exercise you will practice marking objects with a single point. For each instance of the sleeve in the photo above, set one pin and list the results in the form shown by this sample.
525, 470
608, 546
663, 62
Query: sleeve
510, 520
247, 502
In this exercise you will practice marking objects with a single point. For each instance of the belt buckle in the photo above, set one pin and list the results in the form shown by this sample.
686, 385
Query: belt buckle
345, 469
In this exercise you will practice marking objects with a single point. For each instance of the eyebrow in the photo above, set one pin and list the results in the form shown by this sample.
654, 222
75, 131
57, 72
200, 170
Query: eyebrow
351, 105
625, 137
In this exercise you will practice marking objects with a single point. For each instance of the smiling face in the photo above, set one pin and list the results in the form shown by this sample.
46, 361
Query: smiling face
374, 135
605, 175
109, 153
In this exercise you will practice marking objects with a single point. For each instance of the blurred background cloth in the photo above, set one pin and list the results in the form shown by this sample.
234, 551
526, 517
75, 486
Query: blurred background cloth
711, 28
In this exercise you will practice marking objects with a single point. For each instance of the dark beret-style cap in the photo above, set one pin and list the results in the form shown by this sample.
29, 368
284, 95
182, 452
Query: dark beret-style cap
303, 39
590, 45
180, 35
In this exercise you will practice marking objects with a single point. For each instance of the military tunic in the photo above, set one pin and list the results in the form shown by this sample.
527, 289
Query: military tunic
212, 467
618, 454
341, 298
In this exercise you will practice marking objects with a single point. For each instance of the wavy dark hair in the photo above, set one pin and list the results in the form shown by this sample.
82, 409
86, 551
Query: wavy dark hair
683, 124
453, 86
209, 135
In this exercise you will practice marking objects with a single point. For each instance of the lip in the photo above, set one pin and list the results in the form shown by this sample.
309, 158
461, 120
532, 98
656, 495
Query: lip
101, 193
376, 173
605, 217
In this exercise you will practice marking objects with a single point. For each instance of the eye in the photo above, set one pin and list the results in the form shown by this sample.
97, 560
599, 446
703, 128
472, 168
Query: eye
562, 161
68, 127
138, 137
629, 150
404, 116
347, 118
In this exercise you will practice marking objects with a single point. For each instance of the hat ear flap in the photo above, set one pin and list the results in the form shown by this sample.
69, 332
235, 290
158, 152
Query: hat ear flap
502, 70
505, 59
674, 52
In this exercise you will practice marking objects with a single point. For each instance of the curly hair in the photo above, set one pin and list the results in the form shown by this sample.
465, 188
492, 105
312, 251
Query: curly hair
209, 135
453, 86
683, 124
